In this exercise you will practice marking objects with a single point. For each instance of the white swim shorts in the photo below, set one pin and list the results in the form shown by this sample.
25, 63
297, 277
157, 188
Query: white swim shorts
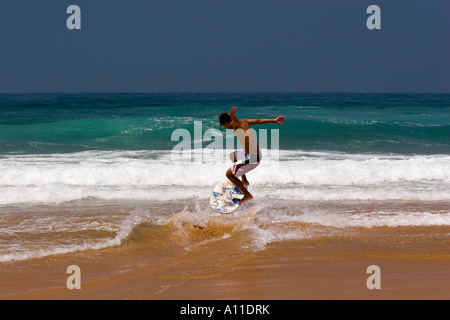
244, 162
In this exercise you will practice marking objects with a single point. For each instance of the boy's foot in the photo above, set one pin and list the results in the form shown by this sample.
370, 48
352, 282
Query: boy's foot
245, 199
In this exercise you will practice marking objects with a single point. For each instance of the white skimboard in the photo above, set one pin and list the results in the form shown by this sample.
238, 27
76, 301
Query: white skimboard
224, 197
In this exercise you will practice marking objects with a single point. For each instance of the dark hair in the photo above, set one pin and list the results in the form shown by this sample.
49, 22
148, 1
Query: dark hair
224, 118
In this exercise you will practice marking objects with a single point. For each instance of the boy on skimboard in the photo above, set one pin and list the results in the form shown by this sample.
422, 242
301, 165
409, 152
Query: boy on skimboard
248, 159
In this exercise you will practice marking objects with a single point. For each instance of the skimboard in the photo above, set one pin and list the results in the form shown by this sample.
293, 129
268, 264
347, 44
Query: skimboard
224, 197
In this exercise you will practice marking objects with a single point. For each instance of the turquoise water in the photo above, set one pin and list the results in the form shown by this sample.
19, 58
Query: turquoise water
353, 123
76, 166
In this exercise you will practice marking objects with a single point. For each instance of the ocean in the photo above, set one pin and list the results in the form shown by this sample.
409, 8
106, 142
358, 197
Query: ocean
82, 173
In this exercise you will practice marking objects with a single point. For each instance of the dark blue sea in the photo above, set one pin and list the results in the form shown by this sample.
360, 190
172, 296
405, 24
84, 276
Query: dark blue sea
354, 123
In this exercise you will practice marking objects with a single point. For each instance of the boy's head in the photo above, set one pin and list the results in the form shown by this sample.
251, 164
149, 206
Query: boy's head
225, 120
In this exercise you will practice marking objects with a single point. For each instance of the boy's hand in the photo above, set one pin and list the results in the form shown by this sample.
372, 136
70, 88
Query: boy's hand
280, 120
233, 112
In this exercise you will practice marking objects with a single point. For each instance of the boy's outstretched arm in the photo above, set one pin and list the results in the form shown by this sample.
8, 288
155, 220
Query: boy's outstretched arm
278, 120
232, 114
252, 122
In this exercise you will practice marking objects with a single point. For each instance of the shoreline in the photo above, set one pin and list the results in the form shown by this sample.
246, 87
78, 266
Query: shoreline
289, 270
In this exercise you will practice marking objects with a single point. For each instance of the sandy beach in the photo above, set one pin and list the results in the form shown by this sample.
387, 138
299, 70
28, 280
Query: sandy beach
325, 268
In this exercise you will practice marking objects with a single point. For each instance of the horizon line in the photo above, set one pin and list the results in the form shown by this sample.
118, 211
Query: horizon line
226, 92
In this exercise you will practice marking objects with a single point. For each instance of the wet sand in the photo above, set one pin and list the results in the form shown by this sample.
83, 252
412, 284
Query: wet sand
289, 270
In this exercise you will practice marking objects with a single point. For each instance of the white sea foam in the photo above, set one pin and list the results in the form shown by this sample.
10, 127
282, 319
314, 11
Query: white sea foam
154, 176
252, 229
371, 219
22, 249
264, 223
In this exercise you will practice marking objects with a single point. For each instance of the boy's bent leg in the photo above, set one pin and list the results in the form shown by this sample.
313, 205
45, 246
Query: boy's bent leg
238, 183
245, 181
